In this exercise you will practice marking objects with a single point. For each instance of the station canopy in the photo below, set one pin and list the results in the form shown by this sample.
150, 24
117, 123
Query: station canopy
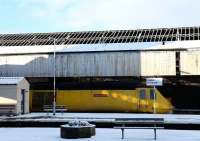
98, 37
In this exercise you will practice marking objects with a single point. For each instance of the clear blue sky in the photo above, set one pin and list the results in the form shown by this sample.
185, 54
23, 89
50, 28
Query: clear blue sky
79, 15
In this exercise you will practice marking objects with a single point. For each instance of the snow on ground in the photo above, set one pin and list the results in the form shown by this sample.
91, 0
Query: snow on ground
53, 134
169, 118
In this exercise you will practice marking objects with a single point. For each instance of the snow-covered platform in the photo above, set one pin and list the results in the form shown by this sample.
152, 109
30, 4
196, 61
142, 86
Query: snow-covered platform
98, 118
109, 117
53, 134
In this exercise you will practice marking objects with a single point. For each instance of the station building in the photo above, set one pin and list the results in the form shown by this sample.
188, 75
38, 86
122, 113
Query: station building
14, 95
107, 60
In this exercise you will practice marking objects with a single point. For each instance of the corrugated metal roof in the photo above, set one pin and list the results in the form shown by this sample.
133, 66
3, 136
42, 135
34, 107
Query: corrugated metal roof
98, 37
10, 80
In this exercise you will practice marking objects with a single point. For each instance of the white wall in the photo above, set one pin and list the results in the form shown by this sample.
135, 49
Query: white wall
190, 63
71, 64
13, 92
23, 85
155, 63
10, 93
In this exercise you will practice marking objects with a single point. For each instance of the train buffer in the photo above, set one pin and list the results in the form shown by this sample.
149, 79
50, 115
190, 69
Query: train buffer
59, 108
139, 123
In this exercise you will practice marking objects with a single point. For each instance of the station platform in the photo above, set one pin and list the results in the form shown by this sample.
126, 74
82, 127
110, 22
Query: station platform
101, 120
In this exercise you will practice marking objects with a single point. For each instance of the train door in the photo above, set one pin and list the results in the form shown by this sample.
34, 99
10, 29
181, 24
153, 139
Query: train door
151, 100
142, 100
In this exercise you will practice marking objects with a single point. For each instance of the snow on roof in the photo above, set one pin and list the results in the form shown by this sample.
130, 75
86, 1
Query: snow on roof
74, 48
10, 80
189, 45
100, 47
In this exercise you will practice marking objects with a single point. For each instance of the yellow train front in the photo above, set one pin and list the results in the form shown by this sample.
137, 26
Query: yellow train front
137, 100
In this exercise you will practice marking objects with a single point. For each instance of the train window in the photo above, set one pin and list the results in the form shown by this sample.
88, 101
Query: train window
142, 94
152, 94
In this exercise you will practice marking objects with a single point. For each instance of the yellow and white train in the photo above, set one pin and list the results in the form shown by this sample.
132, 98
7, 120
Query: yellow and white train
137, 100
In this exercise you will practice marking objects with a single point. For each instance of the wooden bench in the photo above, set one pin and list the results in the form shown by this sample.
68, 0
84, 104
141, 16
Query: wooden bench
139, 123
59, 108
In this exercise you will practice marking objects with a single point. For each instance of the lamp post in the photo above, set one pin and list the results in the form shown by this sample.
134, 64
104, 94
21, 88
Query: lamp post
154, 99
54, 78
54, 73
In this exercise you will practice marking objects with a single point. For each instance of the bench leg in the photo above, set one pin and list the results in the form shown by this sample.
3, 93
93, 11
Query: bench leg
122, 133
155, 136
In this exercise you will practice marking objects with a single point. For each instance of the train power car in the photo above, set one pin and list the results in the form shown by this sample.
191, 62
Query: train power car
137, 100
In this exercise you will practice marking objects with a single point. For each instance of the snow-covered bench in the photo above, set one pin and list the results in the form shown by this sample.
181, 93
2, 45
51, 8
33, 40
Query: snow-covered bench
139, 123
59, 108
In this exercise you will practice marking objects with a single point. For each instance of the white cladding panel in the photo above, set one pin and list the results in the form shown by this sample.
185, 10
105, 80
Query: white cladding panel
24, 65
72, 64
132, 63
98, 64
190, 62
156, 63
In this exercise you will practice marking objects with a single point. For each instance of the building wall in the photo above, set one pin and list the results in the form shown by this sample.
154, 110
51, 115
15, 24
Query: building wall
9, 92
13, 92
25, 65
84, 64
23, 85
156, 63
72, 64
99, 64
190, 62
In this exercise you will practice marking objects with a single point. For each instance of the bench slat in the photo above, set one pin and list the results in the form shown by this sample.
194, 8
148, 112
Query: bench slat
133, 119
138, 127
139, 121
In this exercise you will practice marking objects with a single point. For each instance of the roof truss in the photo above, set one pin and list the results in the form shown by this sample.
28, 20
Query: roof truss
94, 37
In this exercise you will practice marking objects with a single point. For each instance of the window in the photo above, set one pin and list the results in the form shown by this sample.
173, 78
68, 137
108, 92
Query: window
142, 94
152, 94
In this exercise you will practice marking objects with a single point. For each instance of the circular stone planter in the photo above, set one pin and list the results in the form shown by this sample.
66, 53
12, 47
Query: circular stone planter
75, 131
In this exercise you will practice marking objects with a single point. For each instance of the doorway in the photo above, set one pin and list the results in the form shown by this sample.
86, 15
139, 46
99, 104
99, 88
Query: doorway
142, 100
23, 92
